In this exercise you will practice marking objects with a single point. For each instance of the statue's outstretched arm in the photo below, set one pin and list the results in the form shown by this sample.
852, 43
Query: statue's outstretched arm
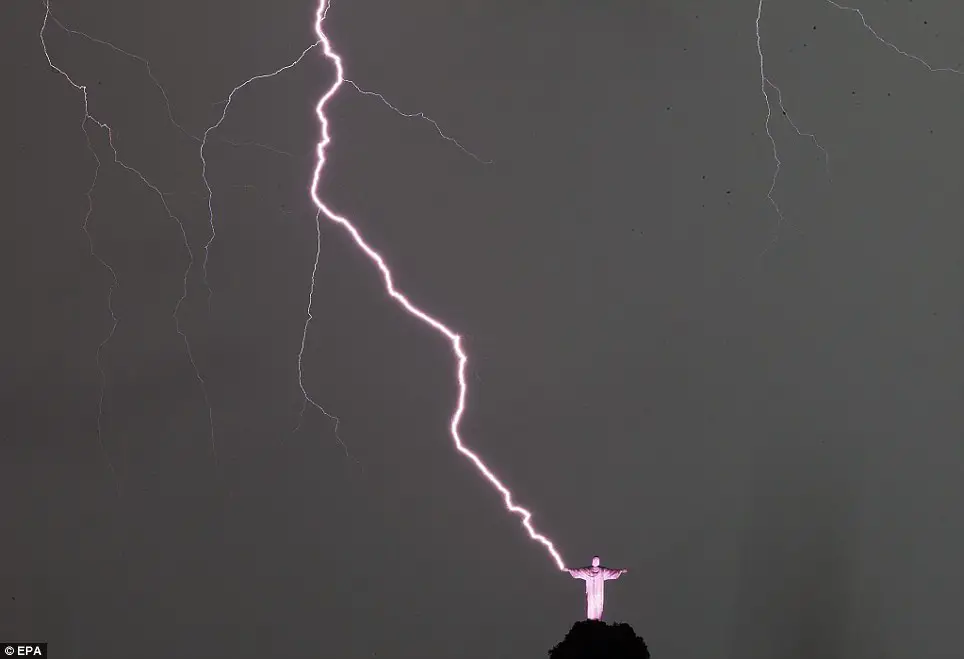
577, 573
613, 574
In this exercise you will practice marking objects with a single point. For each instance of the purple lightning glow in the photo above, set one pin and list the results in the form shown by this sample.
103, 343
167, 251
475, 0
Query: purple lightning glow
203, 140
454, 339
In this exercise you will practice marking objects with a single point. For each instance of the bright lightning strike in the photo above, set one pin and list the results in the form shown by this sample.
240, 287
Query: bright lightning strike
307, 399
204, 162
453, 338
203, 141
224, 114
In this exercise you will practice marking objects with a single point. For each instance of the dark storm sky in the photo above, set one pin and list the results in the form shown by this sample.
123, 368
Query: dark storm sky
772, 445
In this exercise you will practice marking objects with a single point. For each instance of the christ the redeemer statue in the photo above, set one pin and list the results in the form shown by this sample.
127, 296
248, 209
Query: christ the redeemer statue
595, 576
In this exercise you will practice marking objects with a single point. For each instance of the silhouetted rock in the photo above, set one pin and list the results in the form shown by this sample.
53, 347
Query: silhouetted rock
594, 639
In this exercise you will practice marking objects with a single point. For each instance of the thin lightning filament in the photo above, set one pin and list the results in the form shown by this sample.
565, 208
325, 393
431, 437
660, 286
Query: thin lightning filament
454, 339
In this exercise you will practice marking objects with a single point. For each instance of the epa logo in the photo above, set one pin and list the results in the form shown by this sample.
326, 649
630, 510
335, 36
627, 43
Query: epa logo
25, 649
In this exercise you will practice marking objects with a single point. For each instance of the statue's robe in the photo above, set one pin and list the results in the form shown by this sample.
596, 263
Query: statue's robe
594, 577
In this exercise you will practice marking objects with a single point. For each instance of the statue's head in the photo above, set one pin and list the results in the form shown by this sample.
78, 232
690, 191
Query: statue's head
595, 561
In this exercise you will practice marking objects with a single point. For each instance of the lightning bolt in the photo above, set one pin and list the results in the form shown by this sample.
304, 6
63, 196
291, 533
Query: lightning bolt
765, 82
453, 338
204, 162
203, 140
418, 115
89, 118
307, 399
110, 307
876, 35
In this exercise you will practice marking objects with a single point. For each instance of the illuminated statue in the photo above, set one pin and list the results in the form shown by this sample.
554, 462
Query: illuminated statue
595, 577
